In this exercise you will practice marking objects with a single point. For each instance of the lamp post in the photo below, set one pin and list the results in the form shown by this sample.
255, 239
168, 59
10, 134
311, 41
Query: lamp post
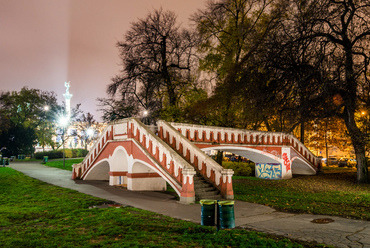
46, 109
63, 122
366, 118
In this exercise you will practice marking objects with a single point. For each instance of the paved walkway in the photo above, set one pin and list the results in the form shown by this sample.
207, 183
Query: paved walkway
340, 233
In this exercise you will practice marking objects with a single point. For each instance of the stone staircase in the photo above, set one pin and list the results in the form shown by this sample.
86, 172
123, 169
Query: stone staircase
205, 190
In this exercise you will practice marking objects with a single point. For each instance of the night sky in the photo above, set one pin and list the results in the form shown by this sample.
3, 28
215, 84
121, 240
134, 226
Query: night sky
44, 43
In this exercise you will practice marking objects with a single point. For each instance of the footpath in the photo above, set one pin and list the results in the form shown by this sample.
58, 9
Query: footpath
339, 233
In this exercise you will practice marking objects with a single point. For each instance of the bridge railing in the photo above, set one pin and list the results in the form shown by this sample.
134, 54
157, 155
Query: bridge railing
221, 135
206, 166
169, 160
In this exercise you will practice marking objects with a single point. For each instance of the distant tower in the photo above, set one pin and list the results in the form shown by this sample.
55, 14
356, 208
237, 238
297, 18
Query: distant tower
68, 97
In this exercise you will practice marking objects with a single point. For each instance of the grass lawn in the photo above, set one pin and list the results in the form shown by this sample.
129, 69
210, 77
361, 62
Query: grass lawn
334, 192
37, 214
58, 163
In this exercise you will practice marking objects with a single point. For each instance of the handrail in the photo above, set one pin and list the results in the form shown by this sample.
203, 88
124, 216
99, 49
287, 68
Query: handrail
163, 147
205, 165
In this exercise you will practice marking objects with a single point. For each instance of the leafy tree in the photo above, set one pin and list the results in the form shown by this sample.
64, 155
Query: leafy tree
24, 119
63, 121
87, 129
157, 58
233, 33
325, 134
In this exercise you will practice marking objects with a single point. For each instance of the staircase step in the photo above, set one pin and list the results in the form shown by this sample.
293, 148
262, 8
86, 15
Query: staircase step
205, 190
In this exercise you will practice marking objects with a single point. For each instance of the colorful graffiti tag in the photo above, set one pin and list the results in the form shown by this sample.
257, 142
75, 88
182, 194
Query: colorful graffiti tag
286, 161
269, 171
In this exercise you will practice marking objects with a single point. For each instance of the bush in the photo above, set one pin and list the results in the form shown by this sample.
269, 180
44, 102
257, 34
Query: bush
75, 153
240, 168
51, 154
69, 153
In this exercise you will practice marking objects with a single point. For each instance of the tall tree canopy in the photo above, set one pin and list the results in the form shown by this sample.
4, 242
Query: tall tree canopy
233, 34
332, 38
284, 63
27, 118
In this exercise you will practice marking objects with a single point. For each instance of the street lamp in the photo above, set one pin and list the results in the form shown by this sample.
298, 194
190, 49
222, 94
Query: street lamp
46, 108
366, 123
63, 122
90, 132
145, 117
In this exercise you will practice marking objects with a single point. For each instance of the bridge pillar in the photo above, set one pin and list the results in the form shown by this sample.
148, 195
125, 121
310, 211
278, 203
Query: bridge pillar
76, 171
117, 178
187, 193
226, 184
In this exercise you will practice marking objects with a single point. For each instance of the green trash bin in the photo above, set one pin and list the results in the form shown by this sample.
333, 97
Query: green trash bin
5, 161
226, 217
208, 212
45, 159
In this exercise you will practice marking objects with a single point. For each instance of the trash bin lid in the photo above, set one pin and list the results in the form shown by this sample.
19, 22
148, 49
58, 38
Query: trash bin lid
207, 202
226, 203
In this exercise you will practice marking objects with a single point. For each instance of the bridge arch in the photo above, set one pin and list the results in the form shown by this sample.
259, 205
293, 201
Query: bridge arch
255, 155
120, 159
143, 176
301, 167
100, 171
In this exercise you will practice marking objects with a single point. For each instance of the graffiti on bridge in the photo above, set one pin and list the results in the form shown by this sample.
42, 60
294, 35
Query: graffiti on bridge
269, 171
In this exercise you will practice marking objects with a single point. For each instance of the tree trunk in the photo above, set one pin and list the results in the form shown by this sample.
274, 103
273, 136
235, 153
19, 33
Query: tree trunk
362, 170
302, 132
219, 157
358, 142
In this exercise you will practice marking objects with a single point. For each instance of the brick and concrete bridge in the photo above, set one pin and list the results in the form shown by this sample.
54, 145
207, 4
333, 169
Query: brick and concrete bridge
131, 154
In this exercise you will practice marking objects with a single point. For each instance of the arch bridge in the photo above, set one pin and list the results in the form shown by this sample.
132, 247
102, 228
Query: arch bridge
131, 154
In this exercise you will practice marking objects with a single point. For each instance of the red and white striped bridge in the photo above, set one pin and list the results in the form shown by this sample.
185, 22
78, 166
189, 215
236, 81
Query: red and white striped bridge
130, 153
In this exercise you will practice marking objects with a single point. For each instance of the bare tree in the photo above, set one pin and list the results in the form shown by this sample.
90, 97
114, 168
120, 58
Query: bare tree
157, 58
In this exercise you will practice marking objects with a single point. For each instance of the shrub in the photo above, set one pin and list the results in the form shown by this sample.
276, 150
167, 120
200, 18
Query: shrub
74, 153
51, 154
240, 168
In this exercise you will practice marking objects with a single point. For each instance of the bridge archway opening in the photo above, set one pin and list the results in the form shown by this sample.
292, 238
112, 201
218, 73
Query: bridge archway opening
253, 155
300, 167
119, 161
143, 177
100, 171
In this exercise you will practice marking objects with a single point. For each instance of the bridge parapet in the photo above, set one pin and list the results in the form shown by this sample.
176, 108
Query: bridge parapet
206, 166
169, 160
222, 135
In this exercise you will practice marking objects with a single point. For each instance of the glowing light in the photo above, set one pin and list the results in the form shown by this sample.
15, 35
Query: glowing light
90, 131
63, 121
